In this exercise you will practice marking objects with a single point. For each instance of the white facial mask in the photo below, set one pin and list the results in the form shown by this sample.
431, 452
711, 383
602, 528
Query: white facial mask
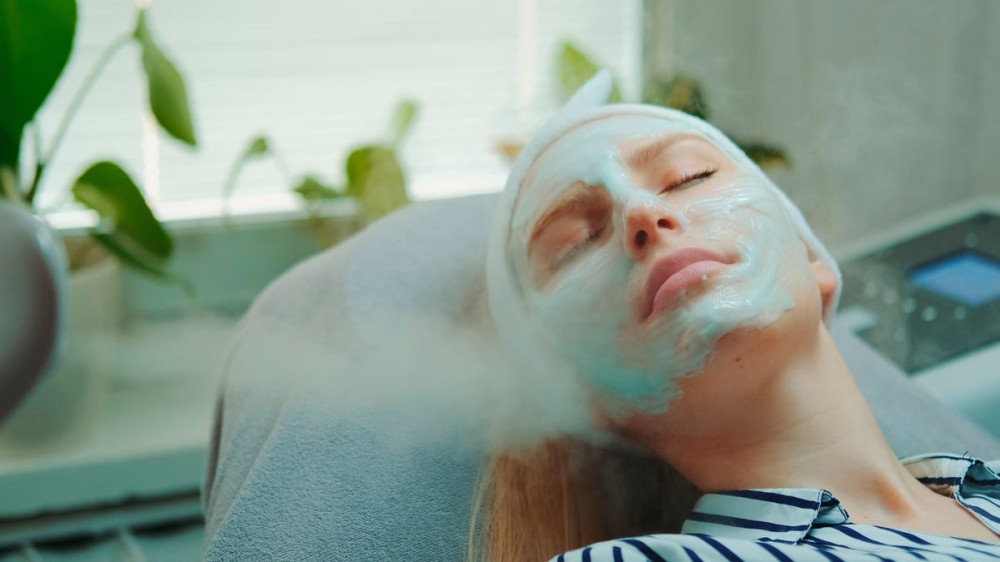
588, 314
583, 324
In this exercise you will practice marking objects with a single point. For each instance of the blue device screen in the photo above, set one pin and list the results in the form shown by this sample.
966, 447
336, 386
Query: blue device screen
967, 277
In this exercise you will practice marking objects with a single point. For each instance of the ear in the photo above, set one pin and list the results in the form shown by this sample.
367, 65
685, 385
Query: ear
825, 276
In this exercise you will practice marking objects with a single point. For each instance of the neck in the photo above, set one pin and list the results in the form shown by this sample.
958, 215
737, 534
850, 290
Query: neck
809, 427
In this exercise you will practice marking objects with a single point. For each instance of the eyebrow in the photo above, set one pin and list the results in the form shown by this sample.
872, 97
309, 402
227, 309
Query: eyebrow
655, 148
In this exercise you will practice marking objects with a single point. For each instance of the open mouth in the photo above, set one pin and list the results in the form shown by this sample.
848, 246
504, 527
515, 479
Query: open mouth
676, 272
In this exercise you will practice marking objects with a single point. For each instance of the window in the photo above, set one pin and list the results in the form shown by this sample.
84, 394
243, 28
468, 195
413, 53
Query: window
318, 77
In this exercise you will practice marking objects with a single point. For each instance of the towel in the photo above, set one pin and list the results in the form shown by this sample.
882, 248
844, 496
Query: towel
368, 386
322, 465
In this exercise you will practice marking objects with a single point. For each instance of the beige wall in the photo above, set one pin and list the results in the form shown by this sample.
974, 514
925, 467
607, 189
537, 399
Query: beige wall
888, 108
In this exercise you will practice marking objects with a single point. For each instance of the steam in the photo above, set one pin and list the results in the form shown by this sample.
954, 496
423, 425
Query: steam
422, 379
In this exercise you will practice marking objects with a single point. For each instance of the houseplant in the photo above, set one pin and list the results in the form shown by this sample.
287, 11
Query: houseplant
36, 42
574, 67
373, 175
681, 91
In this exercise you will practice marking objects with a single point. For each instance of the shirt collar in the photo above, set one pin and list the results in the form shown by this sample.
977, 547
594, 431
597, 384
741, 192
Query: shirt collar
973, 483
787, 514
940, 472
772, 514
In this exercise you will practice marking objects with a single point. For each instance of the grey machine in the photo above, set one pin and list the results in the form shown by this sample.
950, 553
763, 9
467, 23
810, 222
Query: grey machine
927, 297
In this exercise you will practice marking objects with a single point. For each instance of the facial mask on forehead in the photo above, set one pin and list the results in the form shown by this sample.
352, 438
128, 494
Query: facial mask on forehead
583, 324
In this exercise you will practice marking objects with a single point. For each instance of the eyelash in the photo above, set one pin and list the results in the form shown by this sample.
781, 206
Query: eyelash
703, 174
572, 251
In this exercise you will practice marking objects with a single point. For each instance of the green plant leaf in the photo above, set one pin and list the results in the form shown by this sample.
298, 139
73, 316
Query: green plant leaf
312, 189
375, 179
138, 260
681, 92
108, 189
119, 249
406, 113
167, 94
765, 155
257, 147
575, 68
36, 38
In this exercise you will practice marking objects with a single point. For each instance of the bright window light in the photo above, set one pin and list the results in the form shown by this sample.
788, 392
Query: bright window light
321, 77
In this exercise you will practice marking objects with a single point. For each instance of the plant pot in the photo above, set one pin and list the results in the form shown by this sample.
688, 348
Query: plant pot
64, 408
32, 302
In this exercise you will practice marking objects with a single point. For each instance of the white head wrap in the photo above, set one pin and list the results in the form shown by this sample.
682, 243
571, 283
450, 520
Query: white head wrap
527, 341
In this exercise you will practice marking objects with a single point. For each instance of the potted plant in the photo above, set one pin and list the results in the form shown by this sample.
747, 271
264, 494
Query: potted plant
37, 40
374, 178
683, 92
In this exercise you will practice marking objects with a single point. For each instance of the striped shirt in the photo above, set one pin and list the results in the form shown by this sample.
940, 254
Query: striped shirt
801, 524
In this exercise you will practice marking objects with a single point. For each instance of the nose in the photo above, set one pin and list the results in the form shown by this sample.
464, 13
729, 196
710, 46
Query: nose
645, 227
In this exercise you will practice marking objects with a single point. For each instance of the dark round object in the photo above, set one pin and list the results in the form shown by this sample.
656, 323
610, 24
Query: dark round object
32, 302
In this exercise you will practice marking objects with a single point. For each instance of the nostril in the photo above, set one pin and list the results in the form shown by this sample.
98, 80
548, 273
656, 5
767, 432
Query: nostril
664, 223
640, 238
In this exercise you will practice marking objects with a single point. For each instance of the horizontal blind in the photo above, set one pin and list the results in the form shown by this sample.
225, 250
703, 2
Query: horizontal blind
321, 77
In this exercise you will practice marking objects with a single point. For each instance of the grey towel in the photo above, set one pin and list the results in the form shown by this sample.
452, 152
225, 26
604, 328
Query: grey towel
291, 479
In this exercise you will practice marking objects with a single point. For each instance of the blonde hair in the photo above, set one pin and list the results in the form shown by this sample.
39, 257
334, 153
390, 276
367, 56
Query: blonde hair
565, 494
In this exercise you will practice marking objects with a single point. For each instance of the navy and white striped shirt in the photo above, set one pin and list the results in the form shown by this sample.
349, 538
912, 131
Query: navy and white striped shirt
802, 524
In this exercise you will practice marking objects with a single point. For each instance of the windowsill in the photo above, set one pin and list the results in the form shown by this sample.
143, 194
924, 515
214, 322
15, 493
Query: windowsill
213, 212
267, 207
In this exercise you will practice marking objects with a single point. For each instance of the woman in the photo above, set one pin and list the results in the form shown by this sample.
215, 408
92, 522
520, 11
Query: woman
637, 250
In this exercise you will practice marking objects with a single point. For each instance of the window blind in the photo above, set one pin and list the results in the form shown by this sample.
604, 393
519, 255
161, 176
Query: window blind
321, 77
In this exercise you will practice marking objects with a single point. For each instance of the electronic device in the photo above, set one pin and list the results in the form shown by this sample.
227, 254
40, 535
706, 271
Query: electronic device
927, 297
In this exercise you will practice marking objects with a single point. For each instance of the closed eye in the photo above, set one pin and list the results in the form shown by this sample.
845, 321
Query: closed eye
574, 249
690, 179
576, 224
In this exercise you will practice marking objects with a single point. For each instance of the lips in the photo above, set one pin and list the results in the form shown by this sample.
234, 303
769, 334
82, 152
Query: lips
674, 273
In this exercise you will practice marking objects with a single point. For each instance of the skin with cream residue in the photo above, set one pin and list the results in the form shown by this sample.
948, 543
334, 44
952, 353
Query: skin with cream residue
605, 203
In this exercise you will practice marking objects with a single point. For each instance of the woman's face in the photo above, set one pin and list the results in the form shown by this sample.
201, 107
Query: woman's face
639, 244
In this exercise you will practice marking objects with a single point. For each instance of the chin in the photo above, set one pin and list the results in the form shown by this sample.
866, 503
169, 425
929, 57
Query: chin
782, 338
